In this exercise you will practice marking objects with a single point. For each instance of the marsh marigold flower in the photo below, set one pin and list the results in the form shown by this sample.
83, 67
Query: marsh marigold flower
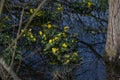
34, 39
59, 34
44, 35
31, 11
50, 41
64, 45
49, 25
40, 32
60, 8
54, 50
30, 29
24, 35
56, 38
22, 30
89, 4
66, 28
67, 61
38, 14
75, 53
31, 36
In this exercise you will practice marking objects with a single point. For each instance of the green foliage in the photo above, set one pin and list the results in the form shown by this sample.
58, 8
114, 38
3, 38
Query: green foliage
83, 8
8, 55
5, 39
103, 4
57, 45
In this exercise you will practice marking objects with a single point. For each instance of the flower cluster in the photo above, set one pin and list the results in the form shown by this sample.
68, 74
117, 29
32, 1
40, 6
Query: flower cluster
39, 13
59, 46
29, 35
59, 8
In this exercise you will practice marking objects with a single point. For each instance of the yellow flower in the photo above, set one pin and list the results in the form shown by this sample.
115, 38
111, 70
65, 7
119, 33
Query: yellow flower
38, 14
56, 38
30, 29
40, 32
75, 53
59, 8
53, 40
44, 35
54, 50
66, 28
34, 39
31, 36
24, 35
22, 30
89, 4
49, 25
64, 45
31, 10
50, 41
59, 34
67, 61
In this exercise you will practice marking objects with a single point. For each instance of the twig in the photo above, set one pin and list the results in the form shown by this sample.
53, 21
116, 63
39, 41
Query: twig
1, 6
8, 69
20, 24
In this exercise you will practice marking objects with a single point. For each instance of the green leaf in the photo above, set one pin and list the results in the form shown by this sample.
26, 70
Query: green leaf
48, 46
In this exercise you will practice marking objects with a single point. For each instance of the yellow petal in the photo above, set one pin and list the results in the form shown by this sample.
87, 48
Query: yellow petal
59, 8
64, 45
49, 25
30, 29
50, 41
34, 39
40, 32
31, 10
22, 30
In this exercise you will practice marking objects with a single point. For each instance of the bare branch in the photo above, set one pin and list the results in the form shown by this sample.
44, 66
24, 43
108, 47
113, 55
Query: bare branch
20, 24
8, 69
29, 21
1, 6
